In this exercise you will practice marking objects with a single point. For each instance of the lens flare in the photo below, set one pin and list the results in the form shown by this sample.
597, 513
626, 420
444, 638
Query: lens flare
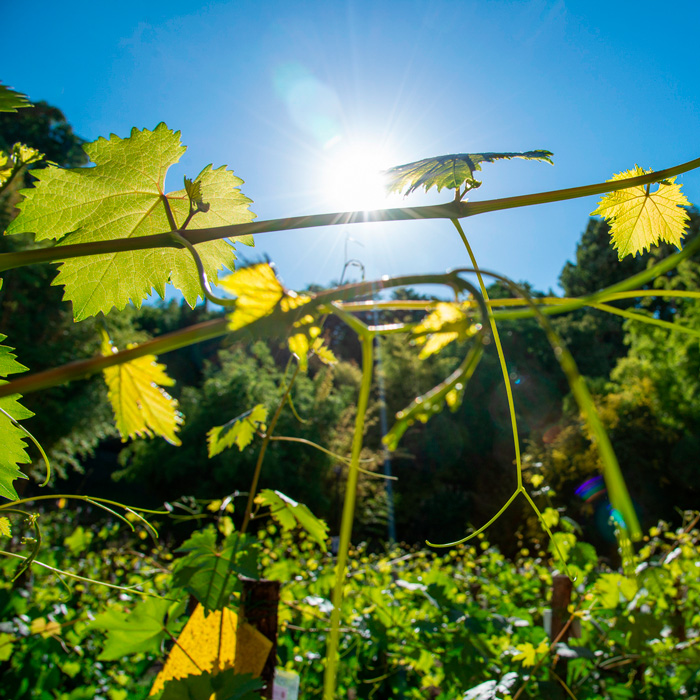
591, 489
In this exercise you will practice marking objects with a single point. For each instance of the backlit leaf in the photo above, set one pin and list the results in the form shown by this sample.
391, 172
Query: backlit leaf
123, 196
5, 527
10, 100
209, 571
141, 630
306, 341
239, 431
451, 171
258, 292
19, 157
323, 352
290, 515
141, 407
446, 323
640, 218
528, 654
208, 642
12, 446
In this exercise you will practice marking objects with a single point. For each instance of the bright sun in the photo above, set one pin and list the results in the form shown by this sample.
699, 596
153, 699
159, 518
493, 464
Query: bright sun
352, 177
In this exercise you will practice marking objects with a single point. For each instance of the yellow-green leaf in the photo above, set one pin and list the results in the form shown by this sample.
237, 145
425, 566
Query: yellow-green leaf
258, 292
123, 196
289, 514
451, 171
6, 644
528, 654
19, 157
239, 431
11, 100
307, 341
640, 218
12, 438
323, 352
5, 527
141, 406
446, 323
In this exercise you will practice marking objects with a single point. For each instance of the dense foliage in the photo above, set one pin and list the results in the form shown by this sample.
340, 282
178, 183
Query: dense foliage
416, 625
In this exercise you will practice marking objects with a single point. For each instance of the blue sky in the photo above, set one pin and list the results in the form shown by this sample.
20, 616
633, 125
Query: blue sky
283, 91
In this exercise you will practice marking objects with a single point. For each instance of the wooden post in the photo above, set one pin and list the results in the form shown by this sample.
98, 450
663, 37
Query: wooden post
259, 608
561, 597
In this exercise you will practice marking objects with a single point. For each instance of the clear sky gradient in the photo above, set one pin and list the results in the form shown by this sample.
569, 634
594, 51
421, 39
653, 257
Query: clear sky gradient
284, 92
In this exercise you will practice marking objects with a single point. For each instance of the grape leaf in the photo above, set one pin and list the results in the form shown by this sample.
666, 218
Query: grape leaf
305, 340
451, 171
446, 323
13, 448
640, 218
227, 685
290, 514
11, 101
5, 527
19, 157
238, 431
141, 407
123, 196
141, 630
323, 352
527, 653
210, 573
258, 292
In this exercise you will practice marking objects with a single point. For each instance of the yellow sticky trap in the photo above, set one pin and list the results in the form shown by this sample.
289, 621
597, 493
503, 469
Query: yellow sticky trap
213, 643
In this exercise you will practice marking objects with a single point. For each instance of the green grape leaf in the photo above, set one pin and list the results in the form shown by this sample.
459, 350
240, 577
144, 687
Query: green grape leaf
451, 171
640, 218
13, 451
289, 515
226, 685
239, 431
423, 408
123, 196
141, 630
258, 292
209, 572
446, 323
10, 100
141, 406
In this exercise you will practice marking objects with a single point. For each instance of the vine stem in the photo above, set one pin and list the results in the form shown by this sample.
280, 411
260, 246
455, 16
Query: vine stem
264, 327
329, 679
263, 449
451, 210
83, 579
501, 355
